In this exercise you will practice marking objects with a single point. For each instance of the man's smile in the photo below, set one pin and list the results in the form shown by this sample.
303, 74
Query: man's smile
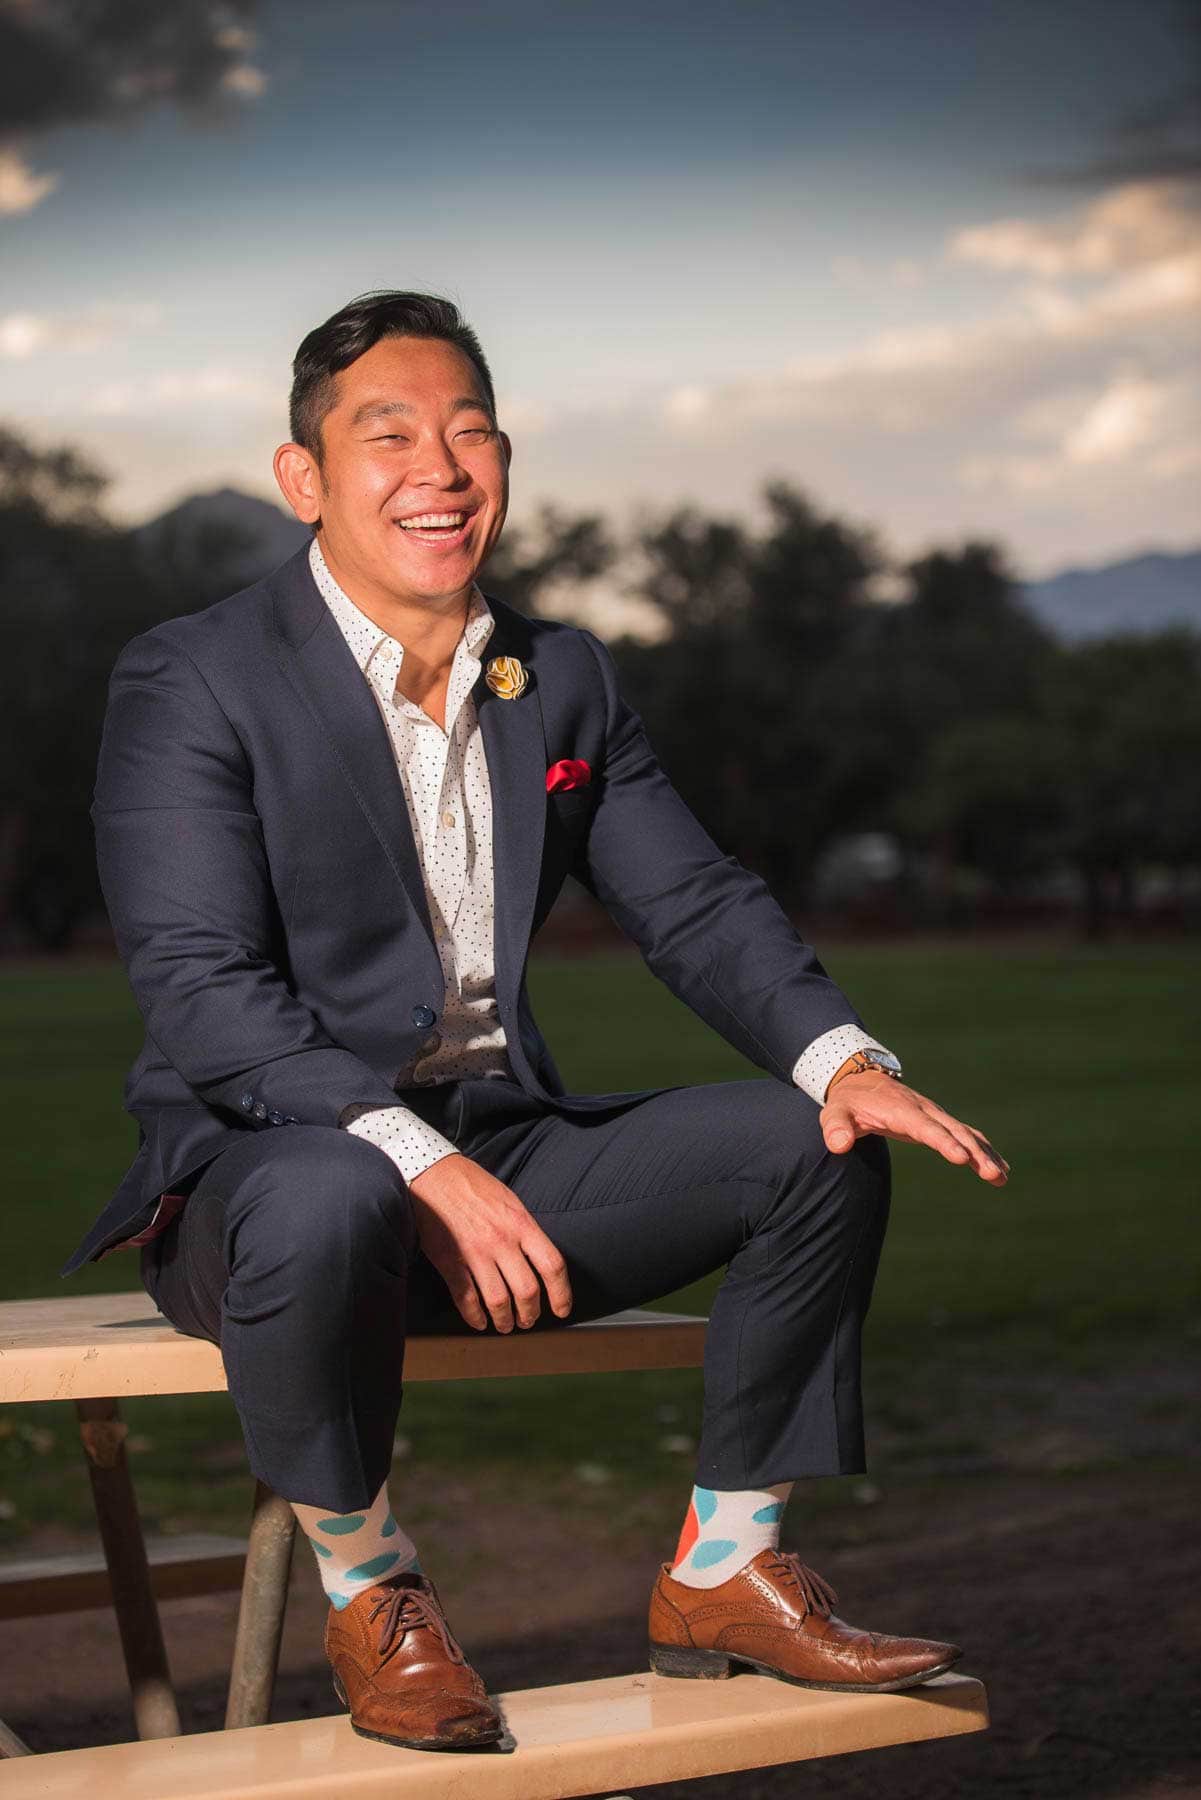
447, 530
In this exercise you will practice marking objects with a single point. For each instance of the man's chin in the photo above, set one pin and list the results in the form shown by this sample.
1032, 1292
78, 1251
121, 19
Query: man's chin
429, 578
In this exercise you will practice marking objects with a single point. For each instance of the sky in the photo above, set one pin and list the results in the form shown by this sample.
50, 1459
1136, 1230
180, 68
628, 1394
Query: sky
937, 265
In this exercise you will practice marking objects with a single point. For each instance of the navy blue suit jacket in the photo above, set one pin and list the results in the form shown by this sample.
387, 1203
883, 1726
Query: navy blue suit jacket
263, 883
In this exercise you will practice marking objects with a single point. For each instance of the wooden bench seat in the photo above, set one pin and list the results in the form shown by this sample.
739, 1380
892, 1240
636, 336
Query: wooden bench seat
583, 1738
586, 1737
113, 1346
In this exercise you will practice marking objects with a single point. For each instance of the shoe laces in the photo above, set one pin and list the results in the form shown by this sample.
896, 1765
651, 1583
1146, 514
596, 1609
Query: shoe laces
406, 1609
814, 1589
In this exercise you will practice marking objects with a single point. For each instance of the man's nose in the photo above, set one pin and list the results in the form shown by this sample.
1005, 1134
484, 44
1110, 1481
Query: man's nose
434, 465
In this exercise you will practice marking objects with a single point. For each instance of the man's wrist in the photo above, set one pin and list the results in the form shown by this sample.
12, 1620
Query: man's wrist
880, 1063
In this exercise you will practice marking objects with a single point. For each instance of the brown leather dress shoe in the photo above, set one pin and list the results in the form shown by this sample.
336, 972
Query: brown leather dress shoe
401, 1672
775, 1615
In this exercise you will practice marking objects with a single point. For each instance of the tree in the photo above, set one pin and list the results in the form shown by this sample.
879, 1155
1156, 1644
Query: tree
73, 592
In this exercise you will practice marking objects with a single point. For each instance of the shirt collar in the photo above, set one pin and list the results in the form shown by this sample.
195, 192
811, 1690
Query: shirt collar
365, 637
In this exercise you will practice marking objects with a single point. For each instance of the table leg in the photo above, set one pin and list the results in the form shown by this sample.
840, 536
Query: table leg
103, 1432
11, 1744
261, 1614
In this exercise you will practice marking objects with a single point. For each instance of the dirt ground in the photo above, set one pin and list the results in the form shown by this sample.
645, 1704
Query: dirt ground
1077, 1598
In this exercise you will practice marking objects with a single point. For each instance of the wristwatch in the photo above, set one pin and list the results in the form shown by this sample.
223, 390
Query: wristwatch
883, 1061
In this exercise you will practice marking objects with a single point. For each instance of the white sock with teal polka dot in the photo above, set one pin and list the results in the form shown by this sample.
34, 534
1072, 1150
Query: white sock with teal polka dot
724, 1529
354, 1550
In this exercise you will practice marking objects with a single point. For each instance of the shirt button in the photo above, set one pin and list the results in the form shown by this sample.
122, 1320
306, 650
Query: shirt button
448, 818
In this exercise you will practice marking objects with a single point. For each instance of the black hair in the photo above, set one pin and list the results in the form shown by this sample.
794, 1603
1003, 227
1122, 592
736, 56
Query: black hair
351, 332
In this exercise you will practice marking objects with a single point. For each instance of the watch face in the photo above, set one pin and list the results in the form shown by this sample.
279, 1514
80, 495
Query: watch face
884, 1059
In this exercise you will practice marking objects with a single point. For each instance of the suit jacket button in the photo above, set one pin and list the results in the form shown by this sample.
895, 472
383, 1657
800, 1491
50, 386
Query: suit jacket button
276, 1118
291, 1119
247, 1102
423, 1017
260, 1110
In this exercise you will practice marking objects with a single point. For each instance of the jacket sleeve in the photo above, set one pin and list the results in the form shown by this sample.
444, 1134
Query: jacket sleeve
183, 868
707, 926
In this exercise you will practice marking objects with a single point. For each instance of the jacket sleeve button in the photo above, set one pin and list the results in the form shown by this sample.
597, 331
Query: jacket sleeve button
276, 1118
423, 1017
247, 1102
260, 1109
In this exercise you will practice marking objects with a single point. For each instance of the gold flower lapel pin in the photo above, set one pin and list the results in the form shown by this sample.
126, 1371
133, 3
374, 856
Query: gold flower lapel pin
506, 677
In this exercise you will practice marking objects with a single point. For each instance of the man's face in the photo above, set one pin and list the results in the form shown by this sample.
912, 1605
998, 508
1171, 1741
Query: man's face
409, 436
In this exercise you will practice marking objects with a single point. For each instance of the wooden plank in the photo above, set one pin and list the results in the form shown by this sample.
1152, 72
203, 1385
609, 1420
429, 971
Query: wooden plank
94, 1346
586, 1737
201, 1563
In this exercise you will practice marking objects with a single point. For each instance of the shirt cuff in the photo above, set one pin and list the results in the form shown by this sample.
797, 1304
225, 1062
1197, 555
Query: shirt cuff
411, 1144
814, 1066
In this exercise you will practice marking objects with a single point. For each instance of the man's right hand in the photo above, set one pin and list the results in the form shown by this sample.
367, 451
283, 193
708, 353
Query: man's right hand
487, 1248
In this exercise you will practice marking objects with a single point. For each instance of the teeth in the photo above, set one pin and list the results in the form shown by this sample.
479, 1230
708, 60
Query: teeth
424, 521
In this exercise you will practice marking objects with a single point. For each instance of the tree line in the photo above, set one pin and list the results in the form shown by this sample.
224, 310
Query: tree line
793, 708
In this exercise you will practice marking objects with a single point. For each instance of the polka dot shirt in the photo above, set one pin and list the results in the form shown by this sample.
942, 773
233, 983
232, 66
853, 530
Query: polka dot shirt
444, 775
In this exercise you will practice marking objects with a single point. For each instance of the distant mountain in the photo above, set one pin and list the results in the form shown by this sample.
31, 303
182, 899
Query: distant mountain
1141, 594
221, 542
233, 538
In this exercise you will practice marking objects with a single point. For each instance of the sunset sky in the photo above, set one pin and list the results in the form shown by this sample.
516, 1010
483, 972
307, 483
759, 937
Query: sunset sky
938, 265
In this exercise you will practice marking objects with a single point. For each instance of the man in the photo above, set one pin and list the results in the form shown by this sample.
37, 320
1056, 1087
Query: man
331, 812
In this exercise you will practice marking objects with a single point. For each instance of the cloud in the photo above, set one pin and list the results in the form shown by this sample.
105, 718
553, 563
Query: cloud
1144, 425
518, 415
1071, 400
1143, 250
20, 189
65, 64
1136, 224
24, 335
229, 390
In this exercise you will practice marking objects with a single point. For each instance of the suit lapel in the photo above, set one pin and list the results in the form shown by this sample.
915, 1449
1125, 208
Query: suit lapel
321, 667
515, 749
319, 663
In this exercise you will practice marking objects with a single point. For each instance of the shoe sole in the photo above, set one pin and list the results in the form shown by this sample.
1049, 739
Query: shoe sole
717, 1665
488, 1736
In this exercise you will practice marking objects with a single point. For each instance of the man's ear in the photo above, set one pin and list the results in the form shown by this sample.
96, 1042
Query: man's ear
299, 479
507, 446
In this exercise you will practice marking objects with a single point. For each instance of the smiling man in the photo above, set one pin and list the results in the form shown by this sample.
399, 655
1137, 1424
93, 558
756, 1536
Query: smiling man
331, 813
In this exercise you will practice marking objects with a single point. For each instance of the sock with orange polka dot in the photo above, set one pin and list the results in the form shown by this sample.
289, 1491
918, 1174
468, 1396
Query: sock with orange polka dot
724, 1529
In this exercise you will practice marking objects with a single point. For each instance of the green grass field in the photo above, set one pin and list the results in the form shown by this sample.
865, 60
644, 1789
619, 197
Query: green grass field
1080, 1065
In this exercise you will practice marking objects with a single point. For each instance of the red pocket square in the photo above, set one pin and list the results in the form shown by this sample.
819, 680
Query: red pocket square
572, 772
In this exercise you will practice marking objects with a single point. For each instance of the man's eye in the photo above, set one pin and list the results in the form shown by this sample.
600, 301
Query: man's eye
477, 431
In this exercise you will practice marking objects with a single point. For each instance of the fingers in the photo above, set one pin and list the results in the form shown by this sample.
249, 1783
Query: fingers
523, 1296
974, 1146
938, 1137
991, 1165
839, 1128
908, 1116
549, 1262
462, 1290
506, 1289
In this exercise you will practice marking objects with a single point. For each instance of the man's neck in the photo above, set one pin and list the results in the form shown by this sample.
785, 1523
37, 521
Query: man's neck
428, 629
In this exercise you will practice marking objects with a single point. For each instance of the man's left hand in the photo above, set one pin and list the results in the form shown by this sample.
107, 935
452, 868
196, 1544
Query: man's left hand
868, 1102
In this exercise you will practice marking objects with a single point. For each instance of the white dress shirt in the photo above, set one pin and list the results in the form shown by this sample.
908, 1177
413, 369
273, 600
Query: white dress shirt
444, 775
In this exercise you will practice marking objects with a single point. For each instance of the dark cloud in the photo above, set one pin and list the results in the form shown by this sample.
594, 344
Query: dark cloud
1156, 143
64, 61
1160, 140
